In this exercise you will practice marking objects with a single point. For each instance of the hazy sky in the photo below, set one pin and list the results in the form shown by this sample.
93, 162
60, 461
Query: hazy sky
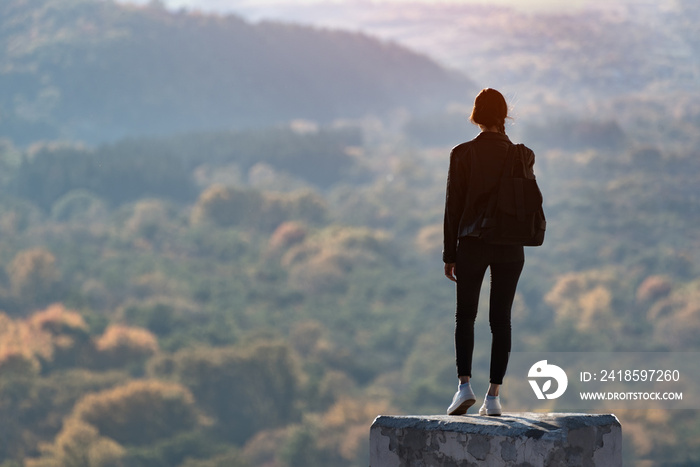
224, 5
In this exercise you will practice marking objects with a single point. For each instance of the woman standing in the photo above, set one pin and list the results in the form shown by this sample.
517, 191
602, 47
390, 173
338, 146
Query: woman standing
475, 170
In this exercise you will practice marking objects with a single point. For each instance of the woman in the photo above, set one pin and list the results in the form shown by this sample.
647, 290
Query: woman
475, 169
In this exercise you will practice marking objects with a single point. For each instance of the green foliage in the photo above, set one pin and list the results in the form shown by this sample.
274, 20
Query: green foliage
17, 215
37, 405
68, 337
245, 389
281, 287
120, 346
274, 331
301, 449
138, 172
80, 445
233, 458
251, 209
140, 412
34, 277
73, 180
78, 205
193, 448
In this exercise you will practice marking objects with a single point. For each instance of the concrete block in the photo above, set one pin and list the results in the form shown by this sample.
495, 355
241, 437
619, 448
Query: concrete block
515, 439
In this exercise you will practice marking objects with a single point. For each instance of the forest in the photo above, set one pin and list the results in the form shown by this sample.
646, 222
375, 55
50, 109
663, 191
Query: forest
256, 296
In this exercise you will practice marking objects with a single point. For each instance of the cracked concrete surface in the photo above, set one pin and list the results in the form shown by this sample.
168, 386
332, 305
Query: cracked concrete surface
514, 439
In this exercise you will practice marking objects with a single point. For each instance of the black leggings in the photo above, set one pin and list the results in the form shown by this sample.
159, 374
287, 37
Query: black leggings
470, 270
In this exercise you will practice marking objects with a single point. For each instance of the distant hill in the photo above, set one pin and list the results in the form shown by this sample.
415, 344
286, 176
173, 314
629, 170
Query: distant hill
95, 70
546, 62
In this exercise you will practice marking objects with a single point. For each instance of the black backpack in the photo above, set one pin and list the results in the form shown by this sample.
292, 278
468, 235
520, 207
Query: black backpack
514, 214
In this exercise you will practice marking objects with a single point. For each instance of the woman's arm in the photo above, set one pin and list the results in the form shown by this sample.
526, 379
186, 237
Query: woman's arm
454, 208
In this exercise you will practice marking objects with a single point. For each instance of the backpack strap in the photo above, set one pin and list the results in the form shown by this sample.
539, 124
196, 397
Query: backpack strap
519, 188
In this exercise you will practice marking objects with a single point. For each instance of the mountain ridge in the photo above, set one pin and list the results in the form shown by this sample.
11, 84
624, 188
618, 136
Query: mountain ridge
99, 71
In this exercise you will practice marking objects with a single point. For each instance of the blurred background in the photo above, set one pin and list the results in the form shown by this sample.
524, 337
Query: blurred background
221, 221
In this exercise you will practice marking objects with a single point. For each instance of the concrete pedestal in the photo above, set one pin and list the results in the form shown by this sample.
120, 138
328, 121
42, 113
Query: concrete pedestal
513, 439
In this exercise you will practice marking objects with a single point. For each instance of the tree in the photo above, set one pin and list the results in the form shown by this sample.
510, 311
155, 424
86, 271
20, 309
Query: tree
253, 209
79, 205
245, 389
80, 445
69, 335
34, 276
676, 318
140, 412
150, 216
123, 345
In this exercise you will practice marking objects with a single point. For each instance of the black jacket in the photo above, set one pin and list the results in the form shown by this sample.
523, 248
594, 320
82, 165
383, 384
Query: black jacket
475, 169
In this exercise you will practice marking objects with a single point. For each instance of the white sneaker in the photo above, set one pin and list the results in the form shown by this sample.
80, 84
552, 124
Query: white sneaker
462, 400
491, 406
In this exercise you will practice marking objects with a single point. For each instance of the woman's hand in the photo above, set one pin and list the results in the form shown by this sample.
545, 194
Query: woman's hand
450, 271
